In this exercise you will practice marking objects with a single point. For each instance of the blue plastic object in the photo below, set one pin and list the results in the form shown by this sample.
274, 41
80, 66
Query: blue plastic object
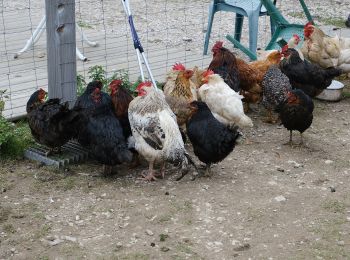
243, 8
283, 30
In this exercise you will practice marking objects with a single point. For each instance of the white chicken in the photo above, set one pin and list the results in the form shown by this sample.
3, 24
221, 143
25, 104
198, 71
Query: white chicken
156, 133
225, 104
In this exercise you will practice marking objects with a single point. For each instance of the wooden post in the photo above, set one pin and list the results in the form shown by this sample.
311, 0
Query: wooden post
61, 49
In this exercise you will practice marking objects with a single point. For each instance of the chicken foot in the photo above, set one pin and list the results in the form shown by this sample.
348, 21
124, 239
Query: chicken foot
150, 174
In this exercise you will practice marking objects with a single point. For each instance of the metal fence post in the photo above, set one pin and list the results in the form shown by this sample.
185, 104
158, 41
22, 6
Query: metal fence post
61, 49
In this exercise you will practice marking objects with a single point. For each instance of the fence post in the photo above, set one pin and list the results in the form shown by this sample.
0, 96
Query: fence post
61, 49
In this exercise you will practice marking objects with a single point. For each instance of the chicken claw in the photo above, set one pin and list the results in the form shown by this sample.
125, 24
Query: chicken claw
148, 176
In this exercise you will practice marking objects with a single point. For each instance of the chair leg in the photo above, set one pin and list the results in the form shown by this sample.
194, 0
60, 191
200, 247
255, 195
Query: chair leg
253, 31
212, 10
238, 26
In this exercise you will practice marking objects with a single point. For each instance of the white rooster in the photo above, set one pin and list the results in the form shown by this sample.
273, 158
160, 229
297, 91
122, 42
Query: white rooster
157, 135
225, 104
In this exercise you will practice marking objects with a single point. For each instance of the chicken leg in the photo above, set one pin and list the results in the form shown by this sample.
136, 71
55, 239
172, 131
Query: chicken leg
150, 174
290, 142
269, 119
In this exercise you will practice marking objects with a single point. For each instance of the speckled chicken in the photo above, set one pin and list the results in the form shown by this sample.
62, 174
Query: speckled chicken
156, 133
275, 88
296, 113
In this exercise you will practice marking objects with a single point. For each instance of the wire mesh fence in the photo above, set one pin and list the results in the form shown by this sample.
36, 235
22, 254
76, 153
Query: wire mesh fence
170, 31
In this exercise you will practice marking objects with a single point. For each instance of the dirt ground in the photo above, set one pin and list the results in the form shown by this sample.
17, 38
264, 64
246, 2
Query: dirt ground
266, 200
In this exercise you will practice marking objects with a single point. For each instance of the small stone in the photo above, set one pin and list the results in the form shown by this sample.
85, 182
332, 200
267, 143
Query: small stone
280, 169
149, 232
348, 218
3, 190
328, 161
167, 193
186, 39
13, 250
280, 198
332, 189
243, 247
69, 238
118, 246
164, 249
340, 243
153, 244
77, 217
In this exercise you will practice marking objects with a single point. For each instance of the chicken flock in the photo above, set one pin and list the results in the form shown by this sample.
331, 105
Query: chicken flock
207, 107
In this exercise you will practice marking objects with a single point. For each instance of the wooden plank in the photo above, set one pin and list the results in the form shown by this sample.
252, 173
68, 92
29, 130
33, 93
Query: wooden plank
61, 62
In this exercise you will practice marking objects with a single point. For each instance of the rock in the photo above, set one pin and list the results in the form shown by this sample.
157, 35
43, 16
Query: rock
69, 238
186, 39
153, 244
118, 246
13, 250
243, 247
295, 164
164, 249
280, 198
332, 189
149, 232
280, 169
166, 193
77, 217
328, 162
340, 243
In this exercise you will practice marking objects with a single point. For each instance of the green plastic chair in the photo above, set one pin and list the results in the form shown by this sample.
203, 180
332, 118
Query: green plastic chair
283, 32
243, 8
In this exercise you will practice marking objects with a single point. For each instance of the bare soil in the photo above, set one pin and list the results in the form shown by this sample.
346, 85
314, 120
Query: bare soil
264, 201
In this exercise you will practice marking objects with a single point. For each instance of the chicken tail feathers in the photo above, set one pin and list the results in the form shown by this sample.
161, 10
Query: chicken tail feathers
333, 72
125, 156
185, 169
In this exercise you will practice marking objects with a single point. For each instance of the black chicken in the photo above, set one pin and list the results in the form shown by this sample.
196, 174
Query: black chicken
224, 63
51, 123
302, 74
100, 131
296, 112
212, 141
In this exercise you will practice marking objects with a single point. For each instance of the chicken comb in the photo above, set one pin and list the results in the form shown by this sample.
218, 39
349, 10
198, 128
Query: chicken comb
217, 45
144, 84
115, 83
207, 73
285, 48
296, 36
179, 66
308, 24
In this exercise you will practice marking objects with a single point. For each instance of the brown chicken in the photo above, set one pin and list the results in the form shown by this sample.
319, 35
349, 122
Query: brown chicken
224, 63
181, 95
121, 99
263, 65
250, 80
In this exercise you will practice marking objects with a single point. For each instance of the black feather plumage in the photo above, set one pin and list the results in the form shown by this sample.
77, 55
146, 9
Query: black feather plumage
304, 75
51, 123
212, 141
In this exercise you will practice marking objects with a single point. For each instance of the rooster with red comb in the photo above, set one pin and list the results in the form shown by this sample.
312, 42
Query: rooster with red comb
157, 135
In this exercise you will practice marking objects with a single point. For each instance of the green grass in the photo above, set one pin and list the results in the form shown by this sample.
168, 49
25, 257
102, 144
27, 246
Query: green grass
334, 206
335, 21
83, 24
297, 14
9, 228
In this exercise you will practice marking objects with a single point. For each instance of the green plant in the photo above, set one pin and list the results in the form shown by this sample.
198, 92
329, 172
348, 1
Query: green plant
2, 100
14, 138
81, 83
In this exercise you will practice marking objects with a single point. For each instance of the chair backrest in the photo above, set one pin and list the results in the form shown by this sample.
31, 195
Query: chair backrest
278, 17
